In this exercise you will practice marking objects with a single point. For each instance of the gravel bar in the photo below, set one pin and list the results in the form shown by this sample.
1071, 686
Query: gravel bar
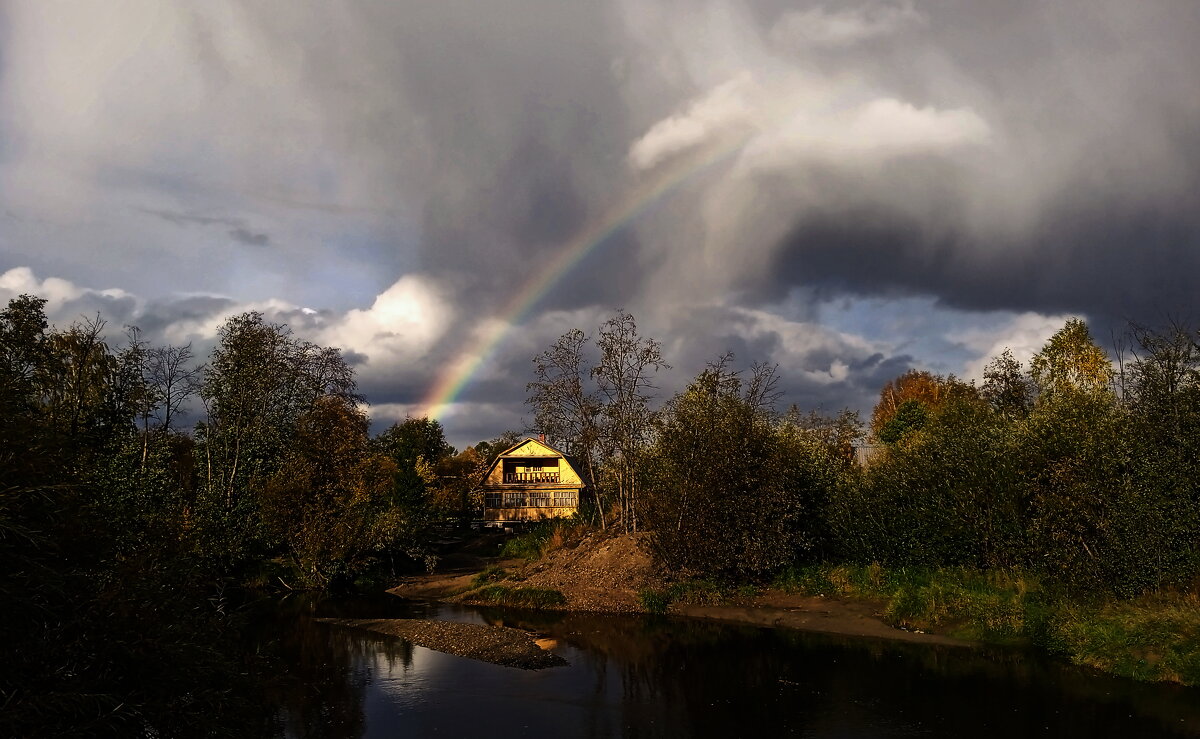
499, 645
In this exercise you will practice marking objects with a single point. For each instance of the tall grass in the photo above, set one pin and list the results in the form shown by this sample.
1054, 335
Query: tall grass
692, 592
520, 597
1156, 637
489, 574
1151, 638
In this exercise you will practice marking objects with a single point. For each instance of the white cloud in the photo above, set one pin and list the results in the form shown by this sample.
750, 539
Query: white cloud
1024, 335
809, 351
890, 124
401, 325
59, 293
796, 120
400, 328
717, 113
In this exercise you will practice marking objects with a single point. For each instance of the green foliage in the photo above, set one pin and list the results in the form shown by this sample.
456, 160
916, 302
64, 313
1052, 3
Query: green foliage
974, 605
110, 626
1006, 386
807, 579
1095, 494
910, 416
731, 492
989, 605
947, 494
414, 439
519, 597
1150, 638
259, 383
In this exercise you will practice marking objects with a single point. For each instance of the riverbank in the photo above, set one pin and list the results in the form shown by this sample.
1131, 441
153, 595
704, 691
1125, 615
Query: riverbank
616, 574
1155, 638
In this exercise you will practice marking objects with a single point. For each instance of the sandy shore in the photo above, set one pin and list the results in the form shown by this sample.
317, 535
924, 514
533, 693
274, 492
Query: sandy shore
499, 645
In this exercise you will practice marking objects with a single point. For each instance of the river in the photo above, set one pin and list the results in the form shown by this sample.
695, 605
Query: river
657, 677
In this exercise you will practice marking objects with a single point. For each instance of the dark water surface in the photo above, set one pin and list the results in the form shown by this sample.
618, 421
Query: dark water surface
647, 677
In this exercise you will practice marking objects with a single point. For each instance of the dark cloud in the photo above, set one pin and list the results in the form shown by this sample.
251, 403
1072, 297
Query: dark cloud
1109, 261
1025, 156
239, 232
162, 314
190, 219
250, 238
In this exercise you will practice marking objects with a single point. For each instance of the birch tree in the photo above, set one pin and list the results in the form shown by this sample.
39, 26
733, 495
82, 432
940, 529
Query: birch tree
258, 383
625, 378
565, 408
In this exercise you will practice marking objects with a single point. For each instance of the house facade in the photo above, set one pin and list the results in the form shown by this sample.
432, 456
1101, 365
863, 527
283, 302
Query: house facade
531, 481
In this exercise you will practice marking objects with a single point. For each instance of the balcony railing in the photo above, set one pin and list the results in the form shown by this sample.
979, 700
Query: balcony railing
531, 477
554, 499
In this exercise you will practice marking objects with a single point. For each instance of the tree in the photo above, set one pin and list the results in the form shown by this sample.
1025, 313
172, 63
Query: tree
625, 378
332, 500
1071, 361
258, 383
174, 379
731, 492
460, 491
916, 385
417, 447
1006, 386
493, 448
24, 351
106, 623
565, 409
413, 438
946, 495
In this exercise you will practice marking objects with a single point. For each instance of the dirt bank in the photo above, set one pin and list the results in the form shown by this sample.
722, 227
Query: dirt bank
499, 645
597, 573
604, 574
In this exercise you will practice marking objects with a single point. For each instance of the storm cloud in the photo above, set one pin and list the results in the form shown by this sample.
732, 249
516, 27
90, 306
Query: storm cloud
845, 188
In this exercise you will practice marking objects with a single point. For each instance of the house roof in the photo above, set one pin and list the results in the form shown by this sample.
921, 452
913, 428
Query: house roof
525, 441
569, 459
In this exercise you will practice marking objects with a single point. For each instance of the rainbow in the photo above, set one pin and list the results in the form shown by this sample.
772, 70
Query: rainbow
458, 374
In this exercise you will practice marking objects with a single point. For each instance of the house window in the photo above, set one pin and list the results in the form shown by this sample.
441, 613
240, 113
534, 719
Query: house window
565, 499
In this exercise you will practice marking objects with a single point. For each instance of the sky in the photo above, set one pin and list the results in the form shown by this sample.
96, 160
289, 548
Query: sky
845, 189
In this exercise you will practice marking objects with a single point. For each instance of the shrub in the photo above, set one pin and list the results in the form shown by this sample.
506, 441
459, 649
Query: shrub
654, 601
543, 537
730, 492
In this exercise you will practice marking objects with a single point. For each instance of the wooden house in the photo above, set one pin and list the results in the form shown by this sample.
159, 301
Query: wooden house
531, 481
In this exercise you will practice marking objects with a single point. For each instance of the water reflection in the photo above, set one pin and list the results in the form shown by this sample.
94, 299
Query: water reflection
637, 677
